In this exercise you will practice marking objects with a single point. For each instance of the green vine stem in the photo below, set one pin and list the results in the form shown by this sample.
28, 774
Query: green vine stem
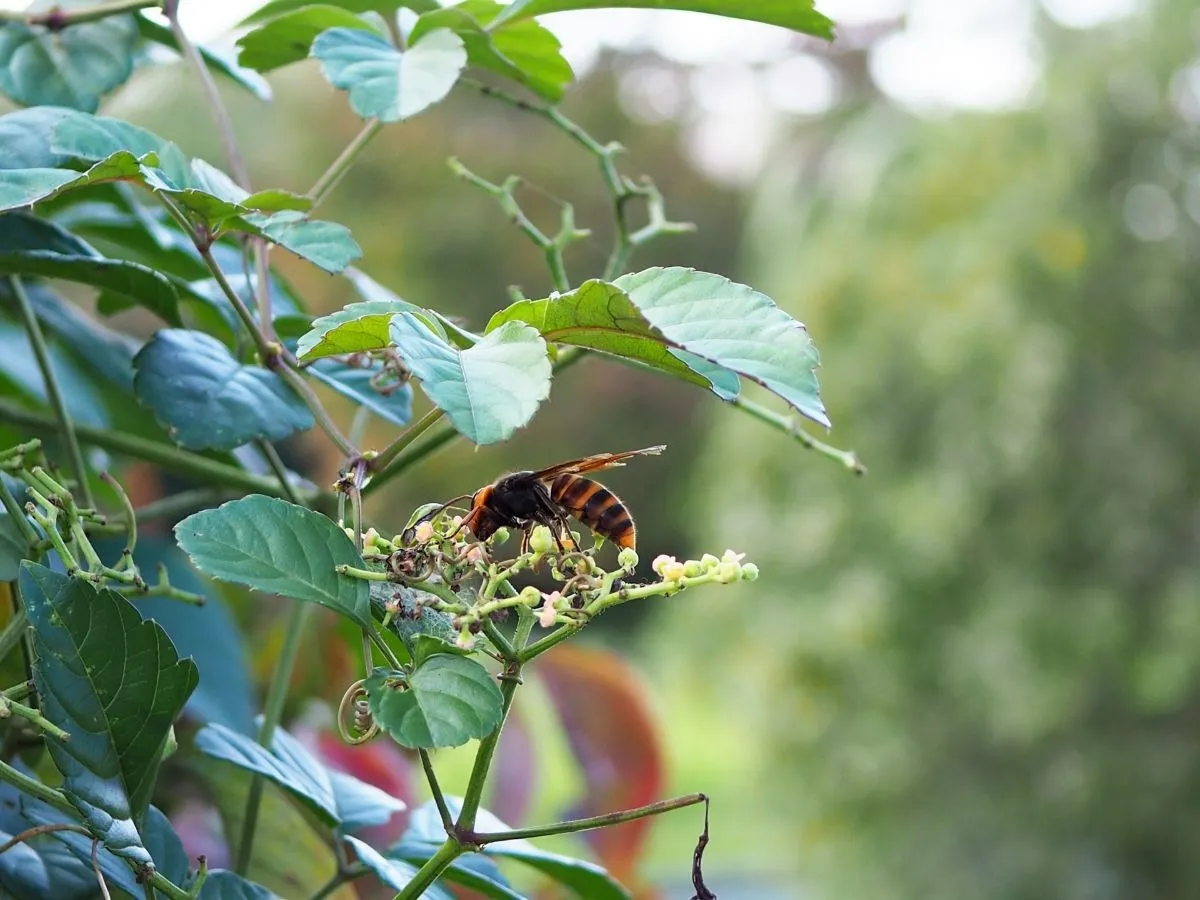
40, 351
789, 425
439, 799
56, 18
182, 462
571, 826
483, 756
17, 514
431, 870
339, 167
384, 457
12, 707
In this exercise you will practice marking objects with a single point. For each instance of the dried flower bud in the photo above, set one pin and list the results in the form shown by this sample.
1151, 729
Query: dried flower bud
627, 558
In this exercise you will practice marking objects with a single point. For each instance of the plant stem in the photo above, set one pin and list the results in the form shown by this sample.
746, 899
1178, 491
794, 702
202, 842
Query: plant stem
278, 468
182, 462
326, 424
272, 713
13, 507
67, 428
237, 165
58, 18
570, 826
499, 641
483, 757
340, 877
29, 714
266, 350
405, 461
540, 646
428, 873
435, 789
789, 425
406, 437
35, 788
339, 167
33, 832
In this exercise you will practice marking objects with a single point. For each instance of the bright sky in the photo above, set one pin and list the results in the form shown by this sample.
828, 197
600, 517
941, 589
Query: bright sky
951, 54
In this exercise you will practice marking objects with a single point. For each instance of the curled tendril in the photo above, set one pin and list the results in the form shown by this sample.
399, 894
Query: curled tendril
354, 704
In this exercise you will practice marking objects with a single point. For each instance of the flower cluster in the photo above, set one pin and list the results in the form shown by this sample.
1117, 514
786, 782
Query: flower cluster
726, 570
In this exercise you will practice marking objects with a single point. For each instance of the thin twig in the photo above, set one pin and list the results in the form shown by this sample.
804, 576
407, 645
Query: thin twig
56, 18
339, 167
571, 826
30, 833
789, 425
96, 869
42, 353
439, 798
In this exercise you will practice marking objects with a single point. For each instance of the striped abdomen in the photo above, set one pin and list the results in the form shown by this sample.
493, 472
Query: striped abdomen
596, 507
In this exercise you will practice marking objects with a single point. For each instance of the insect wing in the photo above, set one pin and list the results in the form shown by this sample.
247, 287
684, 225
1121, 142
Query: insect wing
594, 463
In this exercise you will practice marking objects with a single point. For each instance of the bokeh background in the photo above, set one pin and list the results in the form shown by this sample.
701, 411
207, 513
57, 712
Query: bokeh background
974, 673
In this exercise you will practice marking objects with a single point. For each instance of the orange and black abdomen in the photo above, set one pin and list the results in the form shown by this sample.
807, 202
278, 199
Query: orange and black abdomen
596, 507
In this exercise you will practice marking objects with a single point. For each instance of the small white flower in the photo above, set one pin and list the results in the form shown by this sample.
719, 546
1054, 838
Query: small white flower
549, 611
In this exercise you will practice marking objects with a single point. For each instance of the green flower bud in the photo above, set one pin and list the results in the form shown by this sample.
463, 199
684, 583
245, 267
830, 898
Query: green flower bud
728, 572
541, 541
530, 596
692, 568
749, 572
627, 558
500, 535
709, 562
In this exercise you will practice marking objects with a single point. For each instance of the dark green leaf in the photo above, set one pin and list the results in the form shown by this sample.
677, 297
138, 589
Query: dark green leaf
410, 621
522, 50
384, 82
599, 316
445, 703
25, 136
13, 548
231, 886
278, 548
73, 67
208, 634
798, 15
489, 390
393, 403
286, 39
339, 800
395, 873
95, 138
326, 245
733, 326
206, 399
356, 328
166, 849
137, 283
109, 353
474, 871
24, 187
83, 399
115, 684
216, 59
385, 7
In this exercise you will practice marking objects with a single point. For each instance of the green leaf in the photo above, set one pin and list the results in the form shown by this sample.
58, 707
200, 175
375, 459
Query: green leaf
72, 67
277, 547
522, 50
286, 39
412, 621
445, 703
474, 871
600, 316
82, 395
109, 353
326, 245
356, 328
222, 885
489, 390
339, 800
733, 326
587, 880
94, 138
206, 399
115, 684
166, 849
215, 59
394, 873
24, 187
25, 136
384, 82
384, 7
13, 548
798, 15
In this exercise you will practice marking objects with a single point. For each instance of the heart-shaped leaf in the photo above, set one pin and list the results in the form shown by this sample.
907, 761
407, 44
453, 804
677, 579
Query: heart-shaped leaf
384, 82
206, 399
733, 326
278, 548
114, 683
798, 15
587, 880
287, 38
600, 316
24, 187
445, 703
71, 67
213, 58
522, 50
488, 390
339, 800
395, 873
356, 328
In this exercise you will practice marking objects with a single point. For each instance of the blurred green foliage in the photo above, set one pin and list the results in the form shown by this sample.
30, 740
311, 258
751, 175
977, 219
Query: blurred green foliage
977, 668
